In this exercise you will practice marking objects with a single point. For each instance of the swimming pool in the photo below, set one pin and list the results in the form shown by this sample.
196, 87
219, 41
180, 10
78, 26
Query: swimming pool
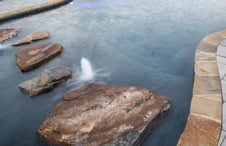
140, 43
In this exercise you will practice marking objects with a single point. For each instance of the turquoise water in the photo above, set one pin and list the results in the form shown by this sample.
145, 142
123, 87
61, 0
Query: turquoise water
141, 43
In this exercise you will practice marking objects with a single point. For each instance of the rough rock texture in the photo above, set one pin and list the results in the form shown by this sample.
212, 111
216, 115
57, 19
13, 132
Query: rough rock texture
46, 81
197, 132
32, 37
7, 34
99, 114
34, 56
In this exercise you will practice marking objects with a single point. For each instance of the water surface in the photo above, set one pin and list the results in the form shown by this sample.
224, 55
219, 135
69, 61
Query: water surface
144, 43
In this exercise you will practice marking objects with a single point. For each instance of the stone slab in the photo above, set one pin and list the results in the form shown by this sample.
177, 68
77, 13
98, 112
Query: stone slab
221, 59
221, 70
34, 36
223, 87
214, 38
206, 46
223, 142
99, 114
224, 117
46, 81
221, 51
31, 57
208, 105
223, 33
8, 33
204, 85
200, 131
206, 68
205, 56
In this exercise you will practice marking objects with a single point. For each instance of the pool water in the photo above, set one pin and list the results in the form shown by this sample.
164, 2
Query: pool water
144, 43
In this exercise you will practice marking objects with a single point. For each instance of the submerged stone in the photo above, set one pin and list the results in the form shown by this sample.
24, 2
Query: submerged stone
34, 56
46, 81
99, 114
8, 33
34, 36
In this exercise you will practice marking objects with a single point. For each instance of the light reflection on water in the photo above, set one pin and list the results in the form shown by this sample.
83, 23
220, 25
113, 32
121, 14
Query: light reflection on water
144, 43
91, 4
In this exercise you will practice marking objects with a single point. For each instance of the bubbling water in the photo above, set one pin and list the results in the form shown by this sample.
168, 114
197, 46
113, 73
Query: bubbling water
4, 46
86, 74
86, 70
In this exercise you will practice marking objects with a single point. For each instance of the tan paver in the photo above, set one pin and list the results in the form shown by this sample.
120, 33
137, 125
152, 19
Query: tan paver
195, 133
206, 68
209, 106
209, 95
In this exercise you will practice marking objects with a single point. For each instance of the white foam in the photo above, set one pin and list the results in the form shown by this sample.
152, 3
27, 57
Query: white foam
4, 46
87, 72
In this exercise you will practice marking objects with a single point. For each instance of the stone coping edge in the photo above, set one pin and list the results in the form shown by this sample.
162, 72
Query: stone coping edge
32, 10
205, 120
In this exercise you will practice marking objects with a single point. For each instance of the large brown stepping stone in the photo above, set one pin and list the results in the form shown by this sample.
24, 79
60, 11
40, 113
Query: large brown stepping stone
34, 36
34, 56
46, 81
8, 33
104, 115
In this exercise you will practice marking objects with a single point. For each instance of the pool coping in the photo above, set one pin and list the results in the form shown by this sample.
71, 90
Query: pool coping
206, 124
32, 10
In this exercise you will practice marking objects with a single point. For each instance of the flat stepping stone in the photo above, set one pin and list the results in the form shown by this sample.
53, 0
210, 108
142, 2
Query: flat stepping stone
32, 37
8, 33
31, 57
99, 114
46, 81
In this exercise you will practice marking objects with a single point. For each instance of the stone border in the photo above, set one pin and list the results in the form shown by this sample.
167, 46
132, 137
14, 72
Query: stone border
204, 121
32, 10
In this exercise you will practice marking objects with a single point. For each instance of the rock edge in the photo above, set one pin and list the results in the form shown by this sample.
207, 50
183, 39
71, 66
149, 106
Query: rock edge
99, 114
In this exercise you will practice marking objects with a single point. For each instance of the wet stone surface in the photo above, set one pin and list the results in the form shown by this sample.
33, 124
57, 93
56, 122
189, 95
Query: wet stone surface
32, 37
100, 114
46, 81
8, 33
31, 57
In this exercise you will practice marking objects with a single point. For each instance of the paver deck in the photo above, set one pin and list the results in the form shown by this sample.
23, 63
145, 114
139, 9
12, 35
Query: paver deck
16, 9
12, 5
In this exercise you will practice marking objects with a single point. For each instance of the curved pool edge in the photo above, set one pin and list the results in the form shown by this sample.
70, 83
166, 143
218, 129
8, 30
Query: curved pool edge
205, 123
32, 10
